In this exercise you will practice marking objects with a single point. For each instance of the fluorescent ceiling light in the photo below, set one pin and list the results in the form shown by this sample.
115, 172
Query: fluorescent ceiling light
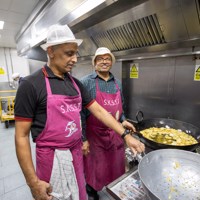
1, 24
86, 7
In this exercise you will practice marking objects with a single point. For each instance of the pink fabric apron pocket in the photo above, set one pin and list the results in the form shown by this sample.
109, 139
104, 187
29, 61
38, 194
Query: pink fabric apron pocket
44, 163
102, 138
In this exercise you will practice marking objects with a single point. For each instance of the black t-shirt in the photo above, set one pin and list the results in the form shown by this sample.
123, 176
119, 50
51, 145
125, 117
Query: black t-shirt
31, 97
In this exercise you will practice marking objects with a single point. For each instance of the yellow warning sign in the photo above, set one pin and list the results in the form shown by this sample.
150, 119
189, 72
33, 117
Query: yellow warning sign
197, 73
134, 70
2, 71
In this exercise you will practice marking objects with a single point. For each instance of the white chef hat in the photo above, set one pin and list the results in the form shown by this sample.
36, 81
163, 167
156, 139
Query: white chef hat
15, 75
59, 34
102, 51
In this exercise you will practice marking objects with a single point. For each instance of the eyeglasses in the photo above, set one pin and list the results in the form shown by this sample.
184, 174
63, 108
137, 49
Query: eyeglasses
99, 59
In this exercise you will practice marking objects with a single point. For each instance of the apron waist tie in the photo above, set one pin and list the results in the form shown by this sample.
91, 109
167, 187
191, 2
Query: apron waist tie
63, 177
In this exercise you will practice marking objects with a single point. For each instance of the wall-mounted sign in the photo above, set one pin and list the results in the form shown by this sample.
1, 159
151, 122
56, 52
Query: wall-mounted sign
197, 71
2, 71
134, 70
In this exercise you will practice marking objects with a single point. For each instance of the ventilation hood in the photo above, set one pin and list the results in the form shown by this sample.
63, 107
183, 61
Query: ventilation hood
132, 29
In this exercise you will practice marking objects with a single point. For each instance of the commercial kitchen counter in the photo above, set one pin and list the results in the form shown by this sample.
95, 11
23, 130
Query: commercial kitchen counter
127, 187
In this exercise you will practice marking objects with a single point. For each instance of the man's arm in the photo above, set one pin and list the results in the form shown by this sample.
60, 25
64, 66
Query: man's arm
101, 114
38, 188
85, 146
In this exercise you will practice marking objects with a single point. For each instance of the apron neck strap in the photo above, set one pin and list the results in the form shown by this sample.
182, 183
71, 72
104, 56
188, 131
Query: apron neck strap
49, 92
75, 85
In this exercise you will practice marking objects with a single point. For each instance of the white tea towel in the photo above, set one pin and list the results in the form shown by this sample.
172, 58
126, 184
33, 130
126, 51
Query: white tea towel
63, 177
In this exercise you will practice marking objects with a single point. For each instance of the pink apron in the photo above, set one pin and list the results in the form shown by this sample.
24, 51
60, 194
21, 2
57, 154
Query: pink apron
106, 160
62, 131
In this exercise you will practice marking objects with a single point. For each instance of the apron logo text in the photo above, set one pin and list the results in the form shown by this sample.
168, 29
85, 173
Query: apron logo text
70, 108
111, 102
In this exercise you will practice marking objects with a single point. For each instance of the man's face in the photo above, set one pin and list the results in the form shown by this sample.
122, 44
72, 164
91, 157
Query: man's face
16, 79
103, 63
63, 57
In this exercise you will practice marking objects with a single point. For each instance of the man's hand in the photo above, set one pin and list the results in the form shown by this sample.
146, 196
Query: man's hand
40, 190
128, 125
135, 145
85, 148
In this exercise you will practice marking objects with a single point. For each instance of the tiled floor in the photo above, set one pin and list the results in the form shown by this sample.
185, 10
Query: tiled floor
12, 182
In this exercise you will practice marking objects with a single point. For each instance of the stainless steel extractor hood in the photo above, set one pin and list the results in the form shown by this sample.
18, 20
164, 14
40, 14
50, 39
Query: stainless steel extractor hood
132, 29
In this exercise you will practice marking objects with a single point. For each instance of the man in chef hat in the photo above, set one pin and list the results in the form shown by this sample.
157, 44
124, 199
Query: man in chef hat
106, 147
16, 76
16, 79
48, 103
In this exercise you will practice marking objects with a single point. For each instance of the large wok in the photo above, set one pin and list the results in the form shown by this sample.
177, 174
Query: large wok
170, 123
171, 174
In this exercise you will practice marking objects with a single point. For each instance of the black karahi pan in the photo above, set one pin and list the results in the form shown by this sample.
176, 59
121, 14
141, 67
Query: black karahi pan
167, 123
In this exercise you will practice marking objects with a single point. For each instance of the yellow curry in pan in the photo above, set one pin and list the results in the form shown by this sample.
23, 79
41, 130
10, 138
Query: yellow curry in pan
168, 136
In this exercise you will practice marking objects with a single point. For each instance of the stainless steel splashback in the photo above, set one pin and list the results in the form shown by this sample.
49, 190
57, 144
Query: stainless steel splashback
165, 88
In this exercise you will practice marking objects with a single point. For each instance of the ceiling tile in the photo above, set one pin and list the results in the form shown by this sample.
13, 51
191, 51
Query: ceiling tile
23, 6
12, 17
5, 4
14, 13
12, 26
